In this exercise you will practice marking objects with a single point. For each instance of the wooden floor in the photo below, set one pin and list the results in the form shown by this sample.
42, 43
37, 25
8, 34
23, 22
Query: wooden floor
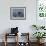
13, 44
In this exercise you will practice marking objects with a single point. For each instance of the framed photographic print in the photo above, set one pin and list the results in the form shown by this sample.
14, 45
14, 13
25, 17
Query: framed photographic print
17, 13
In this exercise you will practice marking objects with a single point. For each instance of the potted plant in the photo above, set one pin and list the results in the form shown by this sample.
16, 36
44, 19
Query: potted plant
39, 35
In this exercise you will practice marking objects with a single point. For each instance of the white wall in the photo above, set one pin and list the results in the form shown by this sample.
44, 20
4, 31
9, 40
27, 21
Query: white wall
24, 25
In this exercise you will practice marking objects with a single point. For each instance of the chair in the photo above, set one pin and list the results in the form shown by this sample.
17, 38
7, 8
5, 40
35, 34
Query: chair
7, 35
25, 43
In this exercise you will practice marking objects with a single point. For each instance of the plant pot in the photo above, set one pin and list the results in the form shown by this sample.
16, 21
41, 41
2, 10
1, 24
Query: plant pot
40, 41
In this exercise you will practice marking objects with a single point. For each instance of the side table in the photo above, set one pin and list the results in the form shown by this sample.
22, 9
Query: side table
8, 34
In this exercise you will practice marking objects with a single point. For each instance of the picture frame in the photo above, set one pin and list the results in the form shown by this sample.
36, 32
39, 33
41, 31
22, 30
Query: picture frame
17, 13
